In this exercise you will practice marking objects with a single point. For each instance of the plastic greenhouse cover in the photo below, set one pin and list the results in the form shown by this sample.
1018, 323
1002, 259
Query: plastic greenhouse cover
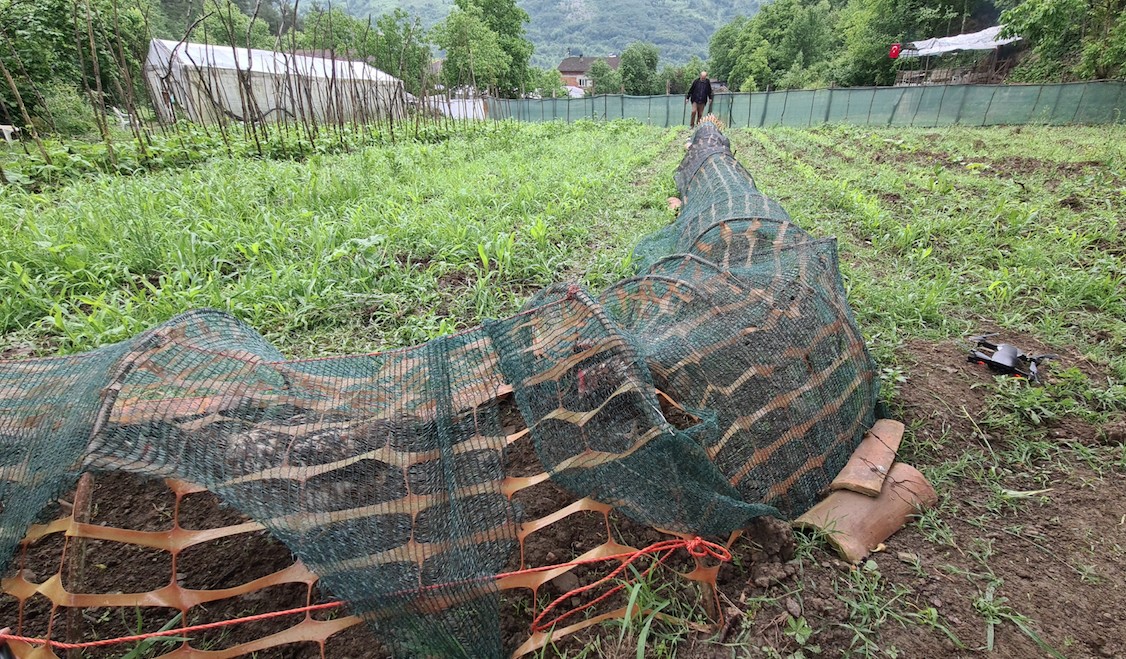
163, 51
987, 39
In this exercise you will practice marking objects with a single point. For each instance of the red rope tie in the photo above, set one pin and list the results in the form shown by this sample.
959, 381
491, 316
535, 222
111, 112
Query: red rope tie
697, 547
701, 548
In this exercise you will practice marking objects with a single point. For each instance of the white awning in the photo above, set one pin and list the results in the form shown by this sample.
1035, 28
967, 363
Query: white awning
987, 39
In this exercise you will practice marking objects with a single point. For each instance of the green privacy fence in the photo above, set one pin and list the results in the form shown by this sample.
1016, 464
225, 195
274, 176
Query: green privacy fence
1098, 102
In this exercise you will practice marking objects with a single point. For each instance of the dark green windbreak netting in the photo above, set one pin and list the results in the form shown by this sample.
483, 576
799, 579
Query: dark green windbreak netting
384, 473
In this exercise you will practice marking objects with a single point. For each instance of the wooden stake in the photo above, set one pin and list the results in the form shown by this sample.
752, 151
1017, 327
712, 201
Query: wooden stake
76, 560
23, 112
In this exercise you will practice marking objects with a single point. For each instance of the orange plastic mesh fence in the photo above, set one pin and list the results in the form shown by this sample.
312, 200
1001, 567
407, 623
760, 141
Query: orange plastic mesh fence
54, 606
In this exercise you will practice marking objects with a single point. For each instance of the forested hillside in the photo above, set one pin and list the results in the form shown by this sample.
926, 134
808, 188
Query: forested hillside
794, 44
430, 11
679, 28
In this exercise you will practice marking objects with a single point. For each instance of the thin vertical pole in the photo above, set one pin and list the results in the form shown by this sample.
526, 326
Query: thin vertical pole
1036, 103
985, 117
919, 104
961, 103
23, 111
1079, 105
100, 106
1056, 104
895, 108
1118, 103
938, 113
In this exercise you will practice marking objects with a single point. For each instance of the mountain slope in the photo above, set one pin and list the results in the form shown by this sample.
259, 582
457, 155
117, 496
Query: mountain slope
430, 11
680, 28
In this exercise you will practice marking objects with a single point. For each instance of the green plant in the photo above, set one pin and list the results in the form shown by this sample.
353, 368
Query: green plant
353, 247
651, 608
873, 602
995, 610
538, 231
800, 633
66, 112
145, 648
313, 254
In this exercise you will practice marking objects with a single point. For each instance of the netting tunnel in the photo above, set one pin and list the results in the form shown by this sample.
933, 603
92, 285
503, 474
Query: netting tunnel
385, 473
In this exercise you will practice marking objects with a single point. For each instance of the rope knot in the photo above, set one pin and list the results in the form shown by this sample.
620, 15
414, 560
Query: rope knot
700, 548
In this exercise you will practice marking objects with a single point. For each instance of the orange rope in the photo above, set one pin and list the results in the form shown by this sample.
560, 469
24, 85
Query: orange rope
697, 547
169, 632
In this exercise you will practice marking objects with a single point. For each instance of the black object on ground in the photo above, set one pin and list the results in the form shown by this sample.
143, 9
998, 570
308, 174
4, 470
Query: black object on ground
1006, 358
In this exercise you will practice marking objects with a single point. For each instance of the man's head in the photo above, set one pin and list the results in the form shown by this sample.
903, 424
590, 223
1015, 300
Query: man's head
703, 74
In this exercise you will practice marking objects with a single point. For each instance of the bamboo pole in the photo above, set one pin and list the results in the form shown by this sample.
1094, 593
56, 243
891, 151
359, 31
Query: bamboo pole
103, 123
23, 111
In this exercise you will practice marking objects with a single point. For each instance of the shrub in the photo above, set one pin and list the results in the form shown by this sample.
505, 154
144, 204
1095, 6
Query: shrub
66, 112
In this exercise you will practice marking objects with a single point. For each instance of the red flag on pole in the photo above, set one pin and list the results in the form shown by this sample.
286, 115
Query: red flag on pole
894, 52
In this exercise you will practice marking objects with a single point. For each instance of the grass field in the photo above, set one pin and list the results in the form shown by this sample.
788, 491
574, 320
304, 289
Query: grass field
943, 233
336, 254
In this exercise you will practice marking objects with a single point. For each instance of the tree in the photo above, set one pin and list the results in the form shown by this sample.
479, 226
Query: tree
395, 43
638, 69
678, 79
46, 43
692, 71
277, 15
762, 51
868, 27
867, 31
474, 55
225, 24
1070, 38
606, 80
335, 31
506, 20
752, 67
403, 50
546, 83
722, 49
808, 43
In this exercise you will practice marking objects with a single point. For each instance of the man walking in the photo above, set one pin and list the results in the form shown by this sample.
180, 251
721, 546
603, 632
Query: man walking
700, 93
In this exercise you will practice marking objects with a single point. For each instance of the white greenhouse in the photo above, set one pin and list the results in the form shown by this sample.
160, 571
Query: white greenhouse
208, 83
